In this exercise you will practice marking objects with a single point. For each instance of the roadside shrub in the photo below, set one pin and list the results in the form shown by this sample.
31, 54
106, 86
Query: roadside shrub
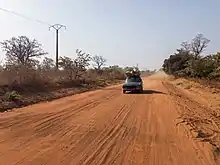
188, 61
13, 96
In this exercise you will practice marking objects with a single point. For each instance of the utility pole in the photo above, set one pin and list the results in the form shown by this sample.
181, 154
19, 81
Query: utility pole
57, 27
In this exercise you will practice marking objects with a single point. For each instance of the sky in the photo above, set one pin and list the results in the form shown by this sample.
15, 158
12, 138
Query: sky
125, 32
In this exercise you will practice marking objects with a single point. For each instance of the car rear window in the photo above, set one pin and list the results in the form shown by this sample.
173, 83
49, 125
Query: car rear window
133, 79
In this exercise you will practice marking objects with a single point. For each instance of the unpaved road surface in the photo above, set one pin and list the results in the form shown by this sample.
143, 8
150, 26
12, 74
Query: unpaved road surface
106, 127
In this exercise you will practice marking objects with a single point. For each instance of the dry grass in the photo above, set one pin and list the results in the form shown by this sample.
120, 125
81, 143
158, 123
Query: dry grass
34, 86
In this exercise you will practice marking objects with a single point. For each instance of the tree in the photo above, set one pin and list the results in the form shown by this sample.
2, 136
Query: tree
66, 63
47, 64
177, 63
82, 60
22, 51
185, 46
114, 72
99, 62
199, 44
75, 67
188, 62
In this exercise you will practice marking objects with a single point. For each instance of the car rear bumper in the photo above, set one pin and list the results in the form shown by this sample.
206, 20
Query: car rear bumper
132, 88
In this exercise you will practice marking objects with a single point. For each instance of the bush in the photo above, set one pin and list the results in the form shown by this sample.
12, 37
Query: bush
12, 96
188, 62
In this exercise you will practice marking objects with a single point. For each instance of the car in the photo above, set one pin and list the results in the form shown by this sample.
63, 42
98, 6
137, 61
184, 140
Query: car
133, 84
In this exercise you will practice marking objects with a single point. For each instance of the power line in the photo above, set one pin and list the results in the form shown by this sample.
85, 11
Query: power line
23, 16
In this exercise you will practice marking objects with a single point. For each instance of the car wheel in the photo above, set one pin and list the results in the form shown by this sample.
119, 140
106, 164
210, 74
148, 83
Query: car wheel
140, 91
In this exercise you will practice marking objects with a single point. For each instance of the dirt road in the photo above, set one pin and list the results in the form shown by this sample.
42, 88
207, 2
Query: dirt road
105, 127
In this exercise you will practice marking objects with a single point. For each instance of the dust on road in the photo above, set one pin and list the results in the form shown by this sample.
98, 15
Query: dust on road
104, 127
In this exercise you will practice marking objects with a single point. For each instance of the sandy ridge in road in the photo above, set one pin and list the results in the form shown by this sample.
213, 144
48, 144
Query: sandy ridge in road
103, 127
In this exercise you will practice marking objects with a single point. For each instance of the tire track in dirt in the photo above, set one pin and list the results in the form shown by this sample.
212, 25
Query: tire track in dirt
137, 152
17, 121
104, 127
200, 119
32, 135
90, 139
57, 117
106, 139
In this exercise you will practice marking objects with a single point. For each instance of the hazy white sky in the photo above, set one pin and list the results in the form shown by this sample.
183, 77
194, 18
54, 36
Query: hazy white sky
125, 32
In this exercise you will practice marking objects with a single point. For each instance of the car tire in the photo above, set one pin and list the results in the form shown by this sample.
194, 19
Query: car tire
141, 91
124, 91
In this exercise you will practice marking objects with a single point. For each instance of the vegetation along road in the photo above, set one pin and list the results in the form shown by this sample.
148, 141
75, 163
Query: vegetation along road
165, 125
